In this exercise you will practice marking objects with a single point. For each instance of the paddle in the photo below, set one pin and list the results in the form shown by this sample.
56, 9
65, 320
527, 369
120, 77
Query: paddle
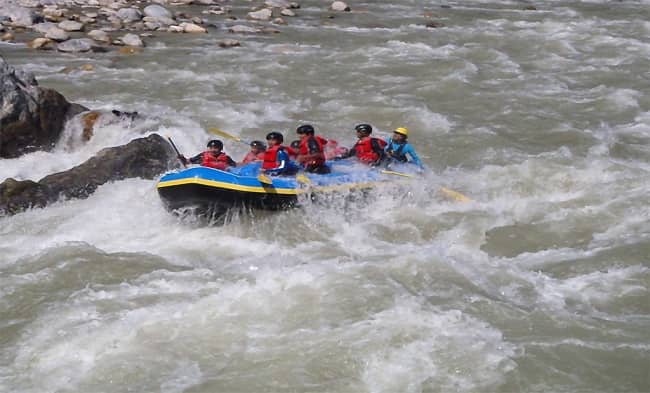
300, 178
265, 179
178, 154
226, 135
450, 193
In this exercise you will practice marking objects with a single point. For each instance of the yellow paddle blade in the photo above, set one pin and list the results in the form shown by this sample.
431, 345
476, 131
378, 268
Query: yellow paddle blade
264, 179
301, 178
455, 195
387, 172
224, 134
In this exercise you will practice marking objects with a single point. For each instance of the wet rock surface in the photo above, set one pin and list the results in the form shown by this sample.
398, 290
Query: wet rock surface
31, 117
143, 157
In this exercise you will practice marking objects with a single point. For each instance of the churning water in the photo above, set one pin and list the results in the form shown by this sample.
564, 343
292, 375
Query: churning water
541, 283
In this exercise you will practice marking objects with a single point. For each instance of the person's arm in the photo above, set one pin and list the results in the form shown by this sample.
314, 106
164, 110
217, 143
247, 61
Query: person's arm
231, 162
197, 159
350, 153
389, 141
377, 148
411, 152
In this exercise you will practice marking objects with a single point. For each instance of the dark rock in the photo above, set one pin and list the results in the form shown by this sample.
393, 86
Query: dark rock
434, 24
143, 157
31, 117
16, 196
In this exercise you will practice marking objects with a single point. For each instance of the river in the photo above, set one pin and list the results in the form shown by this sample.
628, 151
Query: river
540, 284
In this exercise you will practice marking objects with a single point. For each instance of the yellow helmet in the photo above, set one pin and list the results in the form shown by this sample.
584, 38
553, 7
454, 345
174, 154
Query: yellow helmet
402, 130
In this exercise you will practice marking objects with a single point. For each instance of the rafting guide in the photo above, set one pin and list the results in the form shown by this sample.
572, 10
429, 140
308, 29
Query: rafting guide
397, 148
214, 157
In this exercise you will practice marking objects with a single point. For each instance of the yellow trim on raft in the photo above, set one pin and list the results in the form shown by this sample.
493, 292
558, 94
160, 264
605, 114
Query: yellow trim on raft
229, 186
268, 189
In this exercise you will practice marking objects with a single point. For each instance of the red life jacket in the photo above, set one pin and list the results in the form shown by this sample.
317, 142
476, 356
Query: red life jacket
271, 157
219, 162
250, 157
364, 150
317, 158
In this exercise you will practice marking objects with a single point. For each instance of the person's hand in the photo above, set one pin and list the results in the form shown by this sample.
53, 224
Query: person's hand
183, 159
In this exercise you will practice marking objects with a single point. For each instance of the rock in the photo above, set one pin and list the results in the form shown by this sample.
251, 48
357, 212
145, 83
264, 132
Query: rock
44, 27
57, 34
277, 3
29, 3
143, 157
7, 37
339, 6
84, 67
129, 14
287, 12
19, 16
434, 24
76, 45
31, 117
41, 43
99, 35
264, 14
157, 11
89, 119
279, 21
17, 196
192, 28
132, 40
160, 20
175, 29
203, 2
70, 25
53, 12
242, 29
228, 43
129, 50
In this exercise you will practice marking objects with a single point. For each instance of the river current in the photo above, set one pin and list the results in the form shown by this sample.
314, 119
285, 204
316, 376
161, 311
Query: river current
539, 284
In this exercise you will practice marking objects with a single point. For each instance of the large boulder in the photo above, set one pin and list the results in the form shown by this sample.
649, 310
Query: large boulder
31, 117
143, 157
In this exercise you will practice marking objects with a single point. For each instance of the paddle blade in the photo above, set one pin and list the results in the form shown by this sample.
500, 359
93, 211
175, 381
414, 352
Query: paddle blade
457, 196
264, 179
387, 172
300, 178
224, 134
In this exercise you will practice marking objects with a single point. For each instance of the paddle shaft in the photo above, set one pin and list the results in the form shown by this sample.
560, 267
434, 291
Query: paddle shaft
178, 154
224, 134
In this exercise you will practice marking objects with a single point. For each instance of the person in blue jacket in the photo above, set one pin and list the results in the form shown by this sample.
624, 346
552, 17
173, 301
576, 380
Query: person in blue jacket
397, 148
276, 158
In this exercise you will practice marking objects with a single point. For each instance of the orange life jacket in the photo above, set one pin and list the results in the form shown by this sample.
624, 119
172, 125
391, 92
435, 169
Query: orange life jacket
317, 158
365, 151
219, 162
271, 157
250, 157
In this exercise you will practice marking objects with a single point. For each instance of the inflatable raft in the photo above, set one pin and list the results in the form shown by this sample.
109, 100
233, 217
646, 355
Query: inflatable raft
211, 190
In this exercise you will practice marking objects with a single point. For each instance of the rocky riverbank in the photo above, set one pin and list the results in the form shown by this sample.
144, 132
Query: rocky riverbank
104, 25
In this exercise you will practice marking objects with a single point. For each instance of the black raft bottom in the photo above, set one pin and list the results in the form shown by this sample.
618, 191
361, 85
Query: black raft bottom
211, 201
